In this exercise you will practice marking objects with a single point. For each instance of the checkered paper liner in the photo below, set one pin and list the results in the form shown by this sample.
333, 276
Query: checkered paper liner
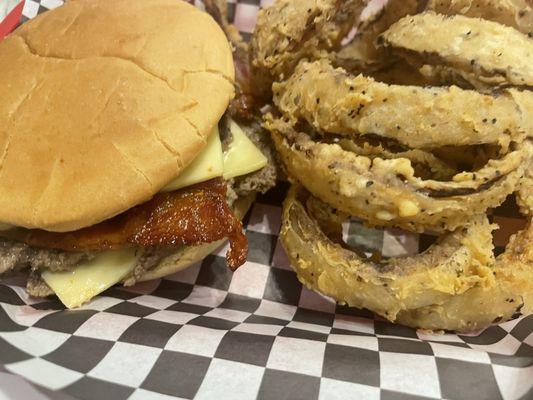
208, 333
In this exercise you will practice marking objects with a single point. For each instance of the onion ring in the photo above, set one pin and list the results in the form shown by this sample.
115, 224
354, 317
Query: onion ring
425, 164
515, 13
480, 306
362, 52
482, 52
524, 196
402, 73
332, 101
291, 30
387, 192
437, 289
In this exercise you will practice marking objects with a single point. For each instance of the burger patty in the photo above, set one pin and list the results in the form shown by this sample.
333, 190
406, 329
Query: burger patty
18, 255
258, 181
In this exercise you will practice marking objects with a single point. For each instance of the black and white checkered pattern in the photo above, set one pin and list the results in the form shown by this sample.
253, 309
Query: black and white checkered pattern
206, 333
32, 8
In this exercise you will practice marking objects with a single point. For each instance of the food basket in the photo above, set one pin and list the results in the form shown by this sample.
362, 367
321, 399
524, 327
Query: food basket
208, 333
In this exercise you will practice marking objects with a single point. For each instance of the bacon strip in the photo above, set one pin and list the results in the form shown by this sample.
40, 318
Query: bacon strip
191, 216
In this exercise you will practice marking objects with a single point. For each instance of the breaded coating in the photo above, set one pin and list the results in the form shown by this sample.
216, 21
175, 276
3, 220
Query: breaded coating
483, 53
524, 197
386, 192
425, 163
290, 30
515, 13
333, 101
363, 52
482, 305
454, 285
400, 72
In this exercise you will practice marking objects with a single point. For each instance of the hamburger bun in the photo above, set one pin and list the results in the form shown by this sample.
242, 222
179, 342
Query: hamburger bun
103, 110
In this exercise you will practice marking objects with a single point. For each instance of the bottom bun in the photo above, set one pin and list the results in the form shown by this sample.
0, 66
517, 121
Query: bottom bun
189, 255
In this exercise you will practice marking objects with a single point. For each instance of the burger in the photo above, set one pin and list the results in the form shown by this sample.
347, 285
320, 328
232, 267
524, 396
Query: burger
119, 160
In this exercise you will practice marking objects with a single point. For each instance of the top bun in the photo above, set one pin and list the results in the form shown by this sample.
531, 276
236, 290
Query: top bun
103, 103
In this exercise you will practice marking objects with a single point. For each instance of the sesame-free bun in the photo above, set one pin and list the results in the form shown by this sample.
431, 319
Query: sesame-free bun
103, 103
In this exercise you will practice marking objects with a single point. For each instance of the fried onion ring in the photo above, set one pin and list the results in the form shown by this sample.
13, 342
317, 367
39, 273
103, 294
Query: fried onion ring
402, 73
362, 51
483, 53
333, 101
291, 30
515, 13
425, 164
524, 196
387, 192
437, 289
479, 306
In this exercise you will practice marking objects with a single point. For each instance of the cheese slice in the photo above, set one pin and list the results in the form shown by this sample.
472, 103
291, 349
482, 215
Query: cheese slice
207, 165
242, 157
83, 282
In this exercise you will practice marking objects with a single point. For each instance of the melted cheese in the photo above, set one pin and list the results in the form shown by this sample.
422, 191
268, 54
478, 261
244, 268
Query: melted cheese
83, 282
207, 165
242, 157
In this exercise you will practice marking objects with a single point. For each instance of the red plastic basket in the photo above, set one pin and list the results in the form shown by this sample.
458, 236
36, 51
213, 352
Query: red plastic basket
11, 20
